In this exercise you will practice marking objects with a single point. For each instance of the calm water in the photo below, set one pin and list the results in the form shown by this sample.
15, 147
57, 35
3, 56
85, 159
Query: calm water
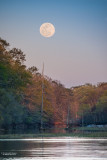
64, 148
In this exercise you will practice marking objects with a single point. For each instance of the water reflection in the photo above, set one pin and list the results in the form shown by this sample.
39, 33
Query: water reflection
54, 148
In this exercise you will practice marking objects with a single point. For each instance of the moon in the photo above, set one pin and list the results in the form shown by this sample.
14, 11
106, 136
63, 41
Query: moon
47, 30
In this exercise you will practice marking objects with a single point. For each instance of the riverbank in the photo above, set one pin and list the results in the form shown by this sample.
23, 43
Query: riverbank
82, 134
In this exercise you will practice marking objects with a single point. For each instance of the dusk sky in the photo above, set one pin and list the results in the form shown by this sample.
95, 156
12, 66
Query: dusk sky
76, 54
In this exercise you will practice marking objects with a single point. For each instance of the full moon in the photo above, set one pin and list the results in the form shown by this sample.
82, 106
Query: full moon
47, 30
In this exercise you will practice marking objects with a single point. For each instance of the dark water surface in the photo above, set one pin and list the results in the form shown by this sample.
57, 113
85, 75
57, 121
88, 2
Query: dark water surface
60, 148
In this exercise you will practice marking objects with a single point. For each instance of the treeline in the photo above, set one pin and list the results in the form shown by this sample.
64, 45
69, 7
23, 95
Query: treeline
89, 104
21, 97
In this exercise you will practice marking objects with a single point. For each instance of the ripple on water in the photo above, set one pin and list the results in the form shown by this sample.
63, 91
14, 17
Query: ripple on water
53, 149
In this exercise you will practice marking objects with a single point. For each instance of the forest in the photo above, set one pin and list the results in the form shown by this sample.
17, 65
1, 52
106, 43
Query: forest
21, 97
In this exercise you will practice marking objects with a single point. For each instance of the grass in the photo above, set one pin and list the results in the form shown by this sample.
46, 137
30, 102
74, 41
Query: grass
80, 134
93, 132
92, 129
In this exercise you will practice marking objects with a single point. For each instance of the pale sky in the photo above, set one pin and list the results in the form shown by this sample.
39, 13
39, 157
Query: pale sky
76, 54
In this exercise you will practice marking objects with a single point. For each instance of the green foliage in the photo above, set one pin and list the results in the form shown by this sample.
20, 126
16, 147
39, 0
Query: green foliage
90, 104
10, 110
13, 79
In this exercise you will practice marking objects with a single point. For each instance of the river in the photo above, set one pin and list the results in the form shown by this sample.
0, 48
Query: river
61, 148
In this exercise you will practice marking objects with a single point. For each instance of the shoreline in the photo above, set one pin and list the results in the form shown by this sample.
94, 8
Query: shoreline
37, 135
